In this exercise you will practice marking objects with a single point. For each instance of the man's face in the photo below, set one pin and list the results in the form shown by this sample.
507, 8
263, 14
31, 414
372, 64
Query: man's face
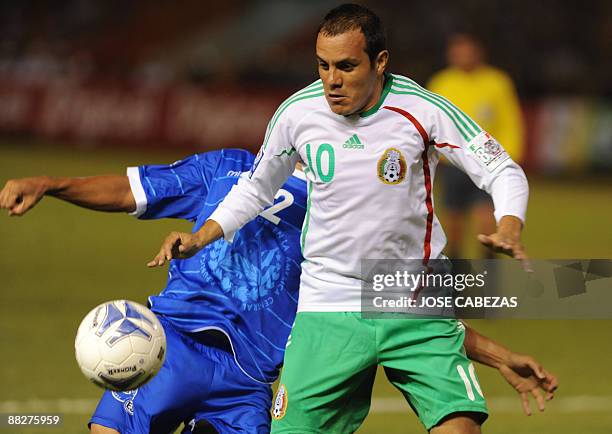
351, 82
464, 53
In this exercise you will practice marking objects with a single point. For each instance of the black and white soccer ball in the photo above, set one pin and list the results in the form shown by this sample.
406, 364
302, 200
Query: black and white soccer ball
392, 173
120, 345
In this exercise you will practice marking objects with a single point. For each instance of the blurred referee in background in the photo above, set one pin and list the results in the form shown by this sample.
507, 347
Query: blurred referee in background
488, 96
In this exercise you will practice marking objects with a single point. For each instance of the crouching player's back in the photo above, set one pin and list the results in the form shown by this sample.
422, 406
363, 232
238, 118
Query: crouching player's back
246, 289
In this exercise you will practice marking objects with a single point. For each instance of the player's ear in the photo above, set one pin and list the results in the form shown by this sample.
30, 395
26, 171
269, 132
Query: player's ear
381, 62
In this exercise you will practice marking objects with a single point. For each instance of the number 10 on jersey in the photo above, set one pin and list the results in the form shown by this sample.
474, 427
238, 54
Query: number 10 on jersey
325, 159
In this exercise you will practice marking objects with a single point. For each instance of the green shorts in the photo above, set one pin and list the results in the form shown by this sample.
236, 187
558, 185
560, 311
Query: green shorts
331, 361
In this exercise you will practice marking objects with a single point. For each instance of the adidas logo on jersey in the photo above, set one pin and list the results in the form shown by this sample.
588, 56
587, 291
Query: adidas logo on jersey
353, 143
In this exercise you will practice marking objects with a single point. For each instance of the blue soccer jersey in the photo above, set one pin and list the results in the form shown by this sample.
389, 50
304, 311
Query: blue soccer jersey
248, 289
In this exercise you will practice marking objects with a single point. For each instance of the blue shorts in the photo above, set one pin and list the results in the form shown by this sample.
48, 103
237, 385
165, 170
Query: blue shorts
196, 382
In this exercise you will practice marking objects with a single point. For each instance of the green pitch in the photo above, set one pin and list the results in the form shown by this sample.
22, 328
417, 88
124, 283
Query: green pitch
58, 261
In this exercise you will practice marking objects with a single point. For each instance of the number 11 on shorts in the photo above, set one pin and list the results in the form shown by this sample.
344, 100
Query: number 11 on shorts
468, 384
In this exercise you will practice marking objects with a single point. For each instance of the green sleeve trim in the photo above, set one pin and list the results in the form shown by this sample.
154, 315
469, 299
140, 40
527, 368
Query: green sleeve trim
397, 92
464, 123
313, 91
439, 98
289, 152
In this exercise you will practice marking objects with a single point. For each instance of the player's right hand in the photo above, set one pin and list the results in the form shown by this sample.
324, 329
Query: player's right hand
507, 240
20, 195
177, 245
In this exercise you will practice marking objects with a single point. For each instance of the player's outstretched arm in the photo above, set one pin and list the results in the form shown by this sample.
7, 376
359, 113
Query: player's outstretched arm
102, 193
525, 374
181, 245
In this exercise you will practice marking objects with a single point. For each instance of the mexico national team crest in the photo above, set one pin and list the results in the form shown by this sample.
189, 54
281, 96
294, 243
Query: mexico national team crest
392, 167
280, 403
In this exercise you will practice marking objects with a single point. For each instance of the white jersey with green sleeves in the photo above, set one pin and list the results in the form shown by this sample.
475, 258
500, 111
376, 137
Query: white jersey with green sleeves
370, 179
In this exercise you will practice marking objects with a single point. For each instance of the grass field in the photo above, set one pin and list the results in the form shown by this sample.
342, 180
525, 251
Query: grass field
59, 261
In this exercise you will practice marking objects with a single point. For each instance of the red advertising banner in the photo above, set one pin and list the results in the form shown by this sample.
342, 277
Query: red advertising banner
563, 134
180, 115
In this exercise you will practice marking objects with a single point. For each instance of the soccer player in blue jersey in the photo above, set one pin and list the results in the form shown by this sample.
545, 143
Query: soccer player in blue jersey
228, 310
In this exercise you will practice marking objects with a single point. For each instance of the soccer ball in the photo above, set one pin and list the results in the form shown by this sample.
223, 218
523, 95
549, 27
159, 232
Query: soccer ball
120, 345
392, 173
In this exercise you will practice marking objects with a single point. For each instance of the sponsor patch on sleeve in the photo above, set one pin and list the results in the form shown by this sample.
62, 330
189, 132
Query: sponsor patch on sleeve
488, 151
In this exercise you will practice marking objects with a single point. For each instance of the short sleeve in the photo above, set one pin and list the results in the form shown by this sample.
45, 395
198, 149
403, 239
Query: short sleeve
177, 190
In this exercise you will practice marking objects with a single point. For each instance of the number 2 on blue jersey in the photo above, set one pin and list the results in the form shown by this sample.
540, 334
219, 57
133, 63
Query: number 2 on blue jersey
270, 213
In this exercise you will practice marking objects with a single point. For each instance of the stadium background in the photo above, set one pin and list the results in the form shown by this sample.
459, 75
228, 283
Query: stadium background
89, 87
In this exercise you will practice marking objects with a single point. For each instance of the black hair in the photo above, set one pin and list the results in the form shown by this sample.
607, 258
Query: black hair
351, 16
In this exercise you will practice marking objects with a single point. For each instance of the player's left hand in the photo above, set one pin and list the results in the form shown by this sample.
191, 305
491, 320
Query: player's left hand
507, 240
528, 377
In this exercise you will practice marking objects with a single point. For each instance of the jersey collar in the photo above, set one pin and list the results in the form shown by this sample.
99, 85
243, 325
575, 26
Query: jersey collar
385, 92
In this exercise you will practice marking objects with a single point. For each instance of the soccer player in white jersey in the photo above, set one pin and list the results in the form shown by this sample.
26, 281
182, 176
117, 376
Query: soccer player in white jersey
370, 142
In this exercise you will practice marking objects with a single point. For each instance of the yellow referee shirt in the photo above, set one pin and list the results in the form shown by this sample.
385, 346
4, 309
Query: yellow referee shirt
488, 96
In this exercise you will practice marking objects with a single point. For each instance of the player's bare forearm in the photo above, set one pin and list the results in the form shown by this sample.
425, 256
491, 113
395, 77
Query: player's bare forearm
484, 350
181, 245
211, 231
111, 193
525, 374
